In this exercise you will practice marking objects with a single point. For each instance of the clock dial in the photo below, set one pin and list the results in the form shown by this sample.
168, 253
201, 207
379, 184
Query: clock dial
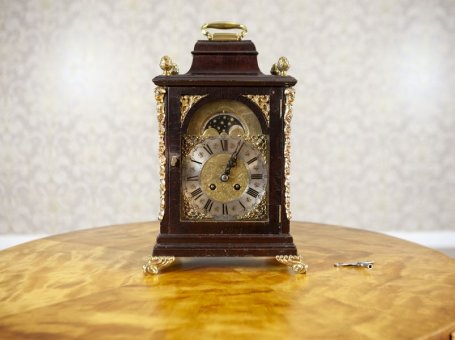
225, 177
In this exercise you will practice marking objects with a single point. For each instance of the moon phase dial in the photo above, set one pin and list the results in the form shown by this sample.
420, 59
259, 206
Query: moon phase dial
224, 178
224, 123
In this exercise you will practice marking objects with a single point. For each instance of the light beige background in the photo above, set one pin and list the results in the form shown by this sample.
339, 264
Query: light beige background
373, 129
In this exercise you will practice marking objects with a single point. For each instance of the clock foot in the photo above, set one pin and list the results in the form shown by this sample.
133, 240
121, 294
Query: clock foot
155, 263
293, 261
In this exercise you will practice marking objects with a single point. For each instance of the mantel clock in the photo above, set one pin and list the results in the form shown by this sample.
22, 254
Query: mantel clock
224, 152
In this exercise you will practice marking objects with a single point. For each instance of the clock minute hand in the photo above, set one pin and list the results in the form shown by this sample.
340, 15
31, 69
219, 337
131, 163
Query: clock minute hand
227, 170
232, 162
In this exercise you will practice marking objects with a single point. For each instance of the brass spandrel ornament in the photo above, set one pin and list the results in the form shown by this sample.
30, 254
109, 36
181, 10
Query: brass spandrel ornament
263, 101
224, 181
186, 102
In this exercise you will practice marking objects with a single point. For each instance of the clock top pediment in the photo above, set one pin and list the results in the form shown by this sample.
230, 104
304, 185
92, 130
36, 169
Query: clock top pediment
224, 63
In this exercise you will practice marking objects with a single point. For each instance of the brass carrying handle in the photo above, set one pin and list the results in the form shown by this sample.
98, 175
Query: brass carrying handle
224, 25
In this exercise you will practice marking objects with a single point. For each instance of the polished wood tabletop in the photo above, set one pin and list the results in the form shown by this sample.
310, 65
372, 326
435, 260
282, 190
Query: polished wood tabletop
89, 284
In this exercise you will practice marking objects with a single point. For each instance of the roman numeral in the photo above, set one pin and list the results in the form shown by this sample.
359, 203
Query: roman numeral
256, 176
208, 205
195, 161
225, 209
196, 193
242, 205
252, 160
224, 144
196, 178
208, 149
252, 192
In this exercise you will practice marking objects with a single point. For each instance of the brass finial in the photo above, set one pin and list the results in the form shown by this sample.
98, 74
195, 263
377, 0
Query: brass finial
175, 69
282, 66
169, 68
274, 70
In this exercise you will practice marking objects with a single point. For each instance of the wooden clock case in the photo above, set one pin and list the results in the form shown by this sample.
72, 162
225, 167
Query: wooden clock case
224, 70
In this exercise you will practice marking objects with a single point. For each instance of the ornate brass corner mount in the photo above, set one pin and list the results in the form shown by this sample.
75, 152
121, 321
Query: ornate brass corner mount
289, 101
258, 213
263, 102
160, 92
293, 261
186, 102
281, 67
169, 68
155, 263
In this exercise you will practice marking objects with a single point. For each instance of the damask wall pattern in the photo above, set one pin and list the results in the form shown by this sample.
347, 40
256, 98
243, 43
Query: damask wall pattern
373, 131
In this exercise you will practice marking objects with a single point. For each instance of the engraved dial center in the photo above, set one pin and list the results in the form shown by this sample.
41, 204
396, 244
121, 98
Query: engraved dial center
225, 191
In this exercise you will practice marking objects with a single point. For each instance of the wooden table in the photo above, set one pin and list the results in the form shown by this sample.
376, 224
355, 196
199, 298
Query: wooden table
90, 284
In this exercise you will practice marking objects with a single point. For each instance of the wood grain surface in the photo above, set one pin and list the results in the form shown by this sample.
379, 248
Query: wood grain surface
89, 284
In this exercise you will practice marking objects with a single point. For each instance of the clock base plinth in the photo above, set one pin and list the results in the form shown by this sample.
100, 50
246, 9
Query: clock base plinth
169, 246
195, 245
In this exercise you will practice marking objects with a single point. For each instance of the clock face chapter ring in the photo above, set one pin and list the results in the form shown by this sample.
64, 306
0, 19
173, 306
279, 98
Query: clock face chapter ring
224, 178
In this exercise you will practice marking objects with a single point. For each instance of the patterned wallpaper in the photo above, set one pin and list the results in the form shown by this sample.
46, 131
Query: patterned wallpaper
374, 118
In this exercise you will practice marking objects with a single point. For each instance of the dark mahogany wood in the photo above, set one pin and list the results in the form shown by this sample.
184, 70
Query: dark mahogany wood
224, 63
225, 70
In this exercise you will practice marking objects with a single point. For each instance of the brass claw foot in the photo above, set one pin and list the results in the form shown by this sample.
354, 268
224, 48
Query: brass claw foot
293, 261
155, 263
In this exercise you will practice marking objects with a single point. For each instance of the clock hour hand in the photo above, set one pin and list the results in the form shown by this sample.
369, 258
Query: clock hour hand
232, 162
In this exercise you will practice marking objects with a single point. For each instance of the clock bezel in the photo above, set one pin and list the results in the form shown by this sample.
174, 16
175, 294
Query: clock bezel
257, 212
